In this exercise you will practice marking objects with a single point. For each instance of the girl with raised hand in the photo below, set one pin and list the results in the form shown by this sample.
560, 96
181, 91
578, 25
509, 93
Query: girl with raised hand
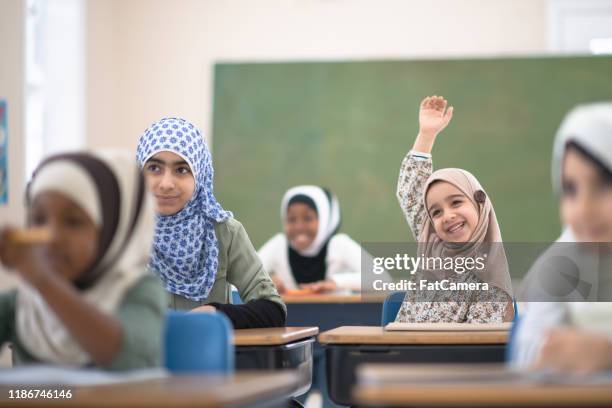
84, 297
451, 216
199, 249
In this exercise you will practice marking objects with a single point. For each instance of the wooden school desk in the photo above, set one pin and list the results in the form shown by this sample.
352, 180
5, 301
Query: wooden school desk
349, 346
238, 390
276, 349
397, 385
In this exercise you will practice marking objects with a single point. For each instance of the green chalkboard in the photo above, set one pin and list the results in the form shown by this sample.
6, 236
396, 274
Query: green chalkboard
347, 126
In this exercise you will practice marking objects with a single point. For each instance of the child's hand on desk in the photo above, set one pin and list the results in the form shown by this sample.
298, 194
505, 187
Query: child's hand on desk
575, 351
327, 285
278, 282
433, 118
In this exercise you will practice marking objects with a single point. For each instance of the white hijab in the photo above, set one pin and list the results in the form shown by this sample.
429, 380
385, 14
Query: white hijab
84, 179
590, 126
328, 211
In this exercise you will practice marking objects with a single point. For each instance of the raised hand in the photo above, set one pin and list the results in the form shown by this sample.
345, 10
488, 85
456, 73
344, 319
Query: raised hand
434, 116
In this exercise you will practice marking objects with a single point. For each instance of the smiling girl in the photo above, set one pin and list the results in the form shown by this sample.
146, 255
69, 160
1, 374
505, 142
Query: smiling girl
310, 254
450, 215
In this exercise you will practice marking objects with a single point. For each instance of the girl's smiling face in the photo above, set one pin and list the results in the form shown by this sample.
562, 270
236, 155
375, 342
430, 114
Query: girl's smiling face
171, 180
586, 200
74, 236
301, 225
454, 216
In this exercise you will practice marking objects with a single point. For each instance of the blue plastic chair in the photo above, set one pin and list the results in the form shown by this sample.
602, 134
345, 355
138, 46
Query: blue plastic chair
236, 299
391, 306
510, 345
198, 342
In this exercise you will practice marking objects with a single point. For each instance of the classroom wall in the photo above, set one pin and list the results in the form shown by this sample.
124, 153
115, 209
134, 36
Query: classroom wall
12, 54
149, 58
12, 88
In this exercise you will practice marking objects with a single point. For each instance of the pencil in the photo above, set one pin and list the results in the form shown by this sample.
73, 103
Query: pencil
30, 236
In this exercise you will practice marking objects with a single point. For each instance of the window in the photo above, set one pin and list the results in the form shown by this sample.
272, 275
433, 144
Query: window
580, 26
55, 78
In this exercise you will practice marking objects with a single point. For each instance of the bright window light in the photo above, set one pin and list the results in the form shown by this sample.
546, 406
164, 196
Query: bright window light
601, 46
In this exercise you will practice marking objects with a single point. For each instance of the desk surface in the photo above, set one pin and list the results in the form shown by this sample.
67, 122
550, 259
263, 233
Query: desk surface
377, 335
434, 392
241, 389
272, 336
334, 298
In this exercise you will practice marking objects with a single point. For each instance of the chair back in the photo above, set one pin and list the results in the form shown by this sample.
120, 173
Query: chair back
198, 343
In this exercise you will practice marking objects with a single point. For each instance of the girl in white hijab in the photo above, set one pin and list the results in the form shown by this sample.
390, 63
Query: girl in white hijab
84, 297
310, 254
576, 335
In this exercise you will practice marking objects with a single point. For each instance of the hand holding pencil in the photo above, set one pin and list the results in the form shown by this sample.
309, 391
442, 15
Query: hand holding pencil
17, 250
29, 236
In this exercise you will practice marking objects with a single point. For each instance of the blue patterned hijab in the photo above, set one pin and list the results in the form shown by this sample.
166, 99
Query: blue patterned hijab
185, 252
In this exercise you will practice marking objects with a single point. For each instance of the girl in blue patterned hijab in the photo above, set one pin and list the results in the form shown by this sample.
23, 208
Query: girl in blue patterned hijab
199, 249
185, 252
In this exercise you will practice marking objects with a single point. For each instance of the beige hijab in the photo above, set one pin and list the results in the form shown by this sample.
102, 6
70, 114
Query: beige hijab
486, 238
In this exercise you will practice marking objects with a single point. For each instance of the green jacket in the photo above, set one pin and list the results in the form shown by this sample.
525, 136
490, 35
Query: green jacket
141, 313
239, 265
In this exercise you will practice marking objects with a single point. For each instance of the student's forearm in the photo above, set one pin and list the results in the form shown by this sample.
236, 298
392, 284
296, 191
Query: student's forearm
99, 334
410, 184
254, 314
424, 142
608, 354
561, 347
